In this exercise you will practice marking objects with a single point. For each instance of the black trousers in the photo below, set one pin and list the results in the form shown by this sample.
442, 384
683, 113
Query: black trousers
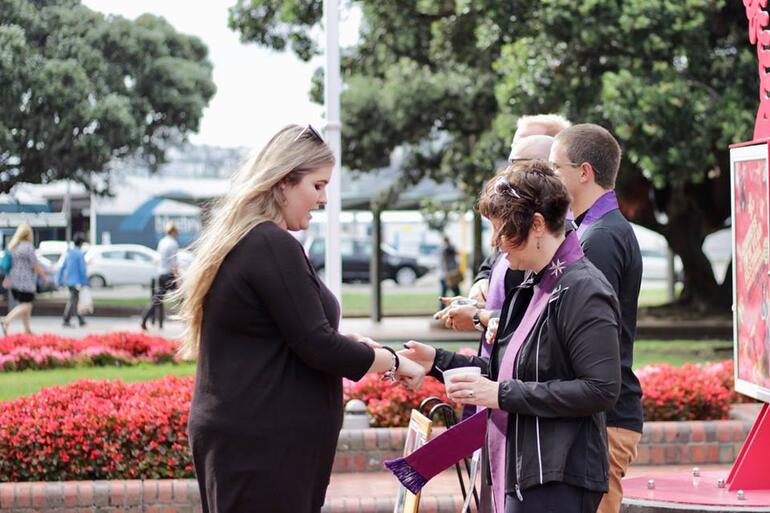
166, 282
71, 308
554, 497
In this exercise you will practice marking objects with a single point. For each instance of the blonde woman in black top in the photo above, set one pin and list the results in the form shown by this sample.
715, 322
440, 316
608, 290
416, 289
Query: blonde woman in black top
267, 406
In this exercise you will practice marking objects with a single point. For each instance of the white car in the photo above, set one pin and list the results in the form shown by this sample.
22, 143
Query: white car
121, 264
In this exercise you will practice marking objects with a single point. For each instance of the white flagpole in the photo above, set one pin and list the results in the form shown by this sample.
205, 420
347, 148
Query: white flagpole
333, 266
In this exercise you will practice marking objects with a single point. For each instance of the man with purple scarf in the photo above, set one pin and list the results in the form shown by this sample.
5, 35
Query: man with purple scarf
587, 158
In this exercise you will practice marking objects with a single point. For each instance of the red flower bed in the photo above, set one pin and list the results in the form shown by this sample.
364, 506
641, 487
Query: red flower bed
690, 392
20, 352
391, 405
98, 430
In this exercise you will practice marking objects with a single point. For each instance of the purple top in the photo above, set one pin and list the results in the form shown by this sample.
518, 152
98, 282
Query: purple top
495, 295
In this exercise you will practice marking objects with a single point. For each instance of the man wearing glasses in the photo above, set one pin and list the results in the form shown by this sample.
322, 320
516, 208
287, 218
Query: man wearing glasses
532, 140
587, 157
494, 278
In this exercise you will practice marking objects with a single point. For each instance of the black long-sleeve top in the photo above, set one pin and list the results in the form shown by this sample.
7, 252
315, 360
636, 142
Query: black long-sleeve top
610, 244
270, 371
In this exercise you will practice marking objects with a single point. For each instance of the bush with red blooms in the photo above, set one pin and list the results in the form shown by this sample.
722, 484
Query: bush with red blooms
21, 352
391, 405
98, 430
690, 392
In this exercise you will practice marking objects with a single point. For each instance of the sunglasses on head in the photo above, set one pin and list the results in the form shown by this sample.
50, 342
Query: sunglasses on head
312, 131
502, 186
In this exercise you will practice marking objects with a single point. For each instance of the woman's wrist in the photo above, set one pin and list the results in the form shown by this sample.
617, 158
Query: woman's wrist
391, 373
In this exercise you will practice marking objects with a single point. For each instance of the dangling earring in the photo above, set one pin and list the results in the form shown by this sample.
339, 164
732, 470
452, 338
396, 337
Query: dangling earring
538, 243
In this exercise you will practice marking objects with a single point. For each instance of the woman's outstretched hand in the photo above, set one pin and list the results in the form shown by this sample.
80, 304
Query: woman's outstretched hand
420, 353
410, 373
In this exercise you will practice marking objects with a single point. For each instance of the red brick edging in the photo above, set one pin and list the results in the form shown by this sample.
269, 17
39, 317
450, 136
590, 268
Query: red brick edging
663, 443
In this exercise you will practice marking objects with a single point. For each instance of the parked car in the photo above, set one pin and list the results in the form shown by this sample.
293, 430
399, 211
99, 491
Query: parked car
121, 264
356, 259
655, 265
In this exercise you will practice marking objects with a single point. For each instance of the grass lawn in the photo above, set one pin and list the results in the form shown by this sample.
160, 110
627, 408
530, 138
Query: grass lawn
394, 303
359, 302
15, 384
679, 352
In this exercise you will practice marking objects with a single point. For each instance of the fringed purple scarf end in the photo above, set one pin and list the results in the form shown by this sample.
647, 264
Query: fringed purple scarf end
409, 477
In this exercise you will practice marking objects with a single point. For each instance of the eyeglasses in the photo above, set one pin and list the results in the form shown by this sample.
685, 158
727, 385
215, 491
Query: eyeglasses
502, 186
313, 132
555, 166
516, 160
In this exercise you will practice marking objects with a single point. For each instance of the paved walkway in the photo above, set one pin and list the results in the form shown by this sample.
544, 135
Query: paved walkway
385, 485
391, 329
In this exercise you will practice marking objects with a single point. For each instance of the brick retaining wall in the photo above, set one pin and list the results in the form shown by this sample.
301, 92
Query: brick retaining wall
663, 443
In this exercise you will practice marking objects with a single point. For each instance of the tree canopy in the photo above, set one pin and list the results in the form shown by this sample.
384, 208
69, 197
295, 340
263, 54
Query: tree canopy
675, 81
80, 89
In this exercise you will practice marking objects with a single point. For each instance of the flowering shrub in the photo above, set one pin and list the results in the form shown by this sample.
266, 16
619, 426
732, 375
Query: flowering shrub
690, 392
725, 371
391, 405
98, 430
20, 352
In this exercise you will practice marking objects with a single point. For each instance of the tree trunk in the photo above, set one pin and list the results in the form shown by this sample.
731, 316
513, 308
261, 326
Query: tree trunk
685, 235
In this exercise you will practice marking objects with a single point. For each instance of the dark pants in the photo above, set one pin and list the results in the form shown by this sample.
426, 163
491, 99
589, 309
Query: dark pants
71, 308
554, 497
444, 289
166, 282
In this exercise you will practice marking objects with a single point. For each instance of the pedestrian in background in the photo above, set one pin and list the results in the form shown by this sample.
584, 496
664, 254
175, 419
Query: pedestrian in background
449, 270
21, 279
168, 247
73, 275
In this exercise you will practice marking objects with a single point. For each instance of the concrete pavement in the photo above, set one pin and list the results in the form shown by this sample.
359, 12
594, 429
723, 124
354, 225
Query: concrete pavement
392, 329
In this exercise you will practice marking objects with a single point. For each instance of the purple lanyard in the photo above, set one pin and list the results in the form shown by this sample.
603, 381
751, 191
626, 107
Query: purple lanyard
607, 202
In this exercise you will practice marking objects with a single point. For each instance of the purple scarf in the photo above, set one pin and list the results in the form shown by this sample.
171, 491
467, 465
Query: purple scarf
459, 441
568, 253
607, 202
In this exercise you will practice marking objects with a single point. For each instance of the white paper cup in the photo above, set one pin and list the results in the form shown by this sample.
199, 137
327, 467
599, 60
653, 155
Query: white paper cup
450, 374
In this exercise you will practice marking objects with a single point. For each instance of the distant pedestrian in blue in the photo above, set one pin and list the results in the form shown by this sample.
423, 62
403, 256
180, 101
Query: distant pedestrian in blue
73, 275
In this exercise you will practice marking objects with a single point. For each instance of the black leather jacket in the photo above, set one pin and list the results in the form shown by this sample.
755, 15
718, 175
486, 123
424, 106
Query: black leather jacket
567, 375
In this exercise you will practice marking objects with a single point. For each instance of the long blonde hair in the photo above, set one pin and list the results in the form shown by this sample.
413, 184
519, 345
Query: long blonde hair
253, 199
23, 232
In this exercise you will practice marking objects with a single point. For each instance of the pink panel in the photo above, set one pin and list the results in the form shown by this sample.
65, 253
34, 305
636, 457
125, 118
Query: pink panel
683, 488
752, 468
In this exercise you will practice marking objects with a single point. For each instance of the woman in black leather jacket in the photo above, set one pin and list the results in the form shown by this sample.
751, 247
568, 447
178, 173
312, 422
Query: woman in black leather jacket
555, 365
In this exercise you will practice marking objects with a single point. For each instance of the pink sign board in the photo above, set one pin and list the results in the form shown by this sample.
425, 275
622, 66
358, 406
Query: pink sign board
751, 290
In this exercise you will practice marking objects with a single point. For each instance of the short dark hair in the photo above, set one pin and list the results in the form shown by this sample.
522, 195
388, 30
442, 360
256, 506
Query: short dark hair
516, 194
595, 145
78, 239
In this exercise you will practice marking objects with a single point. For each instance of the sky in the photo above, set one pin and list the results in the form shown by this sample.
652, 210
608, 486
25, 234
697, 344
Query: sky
258, 90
